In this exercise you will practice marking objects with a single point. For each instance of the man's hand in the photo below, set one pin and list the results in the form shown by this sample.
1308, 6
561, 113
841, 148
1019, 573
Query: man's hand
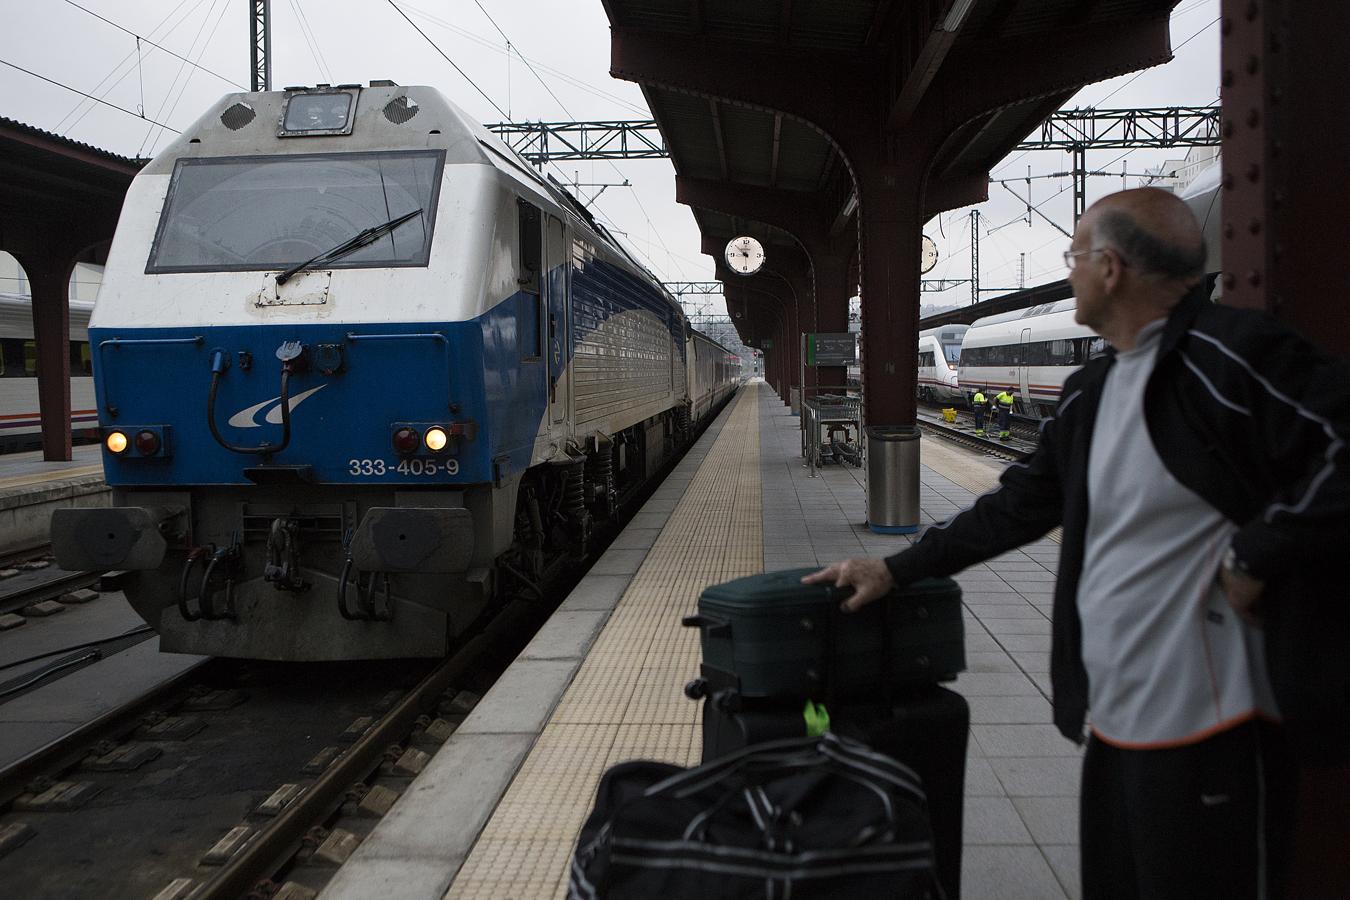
869, 578
1243, 592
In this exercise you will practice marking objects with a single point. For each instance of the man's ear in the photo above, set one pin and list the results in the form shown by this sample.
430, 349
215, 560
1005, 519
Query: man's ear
1113, 269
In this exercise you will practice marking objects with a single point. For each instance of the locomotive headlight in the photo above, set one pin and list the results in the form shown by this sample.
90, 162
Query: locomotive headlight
436, 439
406, 440
116, 442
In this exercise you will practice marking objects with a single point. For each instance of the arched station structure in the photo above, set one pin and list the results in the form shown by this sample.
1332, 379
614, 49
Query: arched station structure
59, 202
832, 132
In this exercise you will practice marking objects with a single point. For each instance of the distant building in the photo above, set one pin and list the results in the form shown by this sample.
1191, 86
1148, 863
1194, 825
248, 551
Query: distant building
1175, 174
84, 281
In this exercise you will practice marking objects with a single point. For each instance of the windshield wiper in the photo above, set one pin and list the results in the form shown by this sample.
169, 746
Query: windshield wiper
351, 245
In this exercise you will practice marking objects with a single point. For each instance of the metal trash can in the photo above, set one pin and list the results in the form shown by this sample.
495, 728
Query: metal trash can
893, 479
795, 400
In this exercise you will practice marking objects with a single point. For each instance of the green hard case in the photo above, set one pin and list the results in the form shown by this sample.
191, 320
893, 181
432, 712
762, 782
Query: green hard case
770, 635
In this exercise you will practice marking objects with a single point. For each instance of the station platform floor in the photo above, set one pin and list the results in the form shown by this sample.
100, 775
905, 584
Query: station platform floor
496, 812
31, 488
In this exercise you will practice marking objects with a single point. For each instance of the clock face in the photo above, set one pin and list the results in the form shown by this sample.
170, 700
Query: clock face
927, 255
745, 255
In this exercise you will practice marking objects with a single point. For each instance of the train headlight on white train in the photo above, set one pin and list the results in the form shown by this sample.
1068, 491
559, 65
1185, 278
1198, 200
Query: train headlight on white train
436, 439
116, 442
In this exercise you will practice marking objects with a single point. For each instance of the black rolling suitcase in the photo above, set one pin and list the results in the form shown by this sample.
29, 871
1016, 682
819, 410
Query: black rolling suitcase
769, 635
771, 643
809, 819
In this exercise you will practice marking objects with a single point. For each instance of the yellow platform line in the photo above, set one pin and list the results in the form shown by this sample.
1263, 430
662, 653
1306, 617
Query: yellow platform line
626, 701
54, 475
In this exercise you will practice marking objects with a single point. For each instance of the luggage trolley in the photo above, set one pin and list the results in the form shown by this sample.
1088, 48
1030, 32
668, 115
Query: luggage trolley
832, 426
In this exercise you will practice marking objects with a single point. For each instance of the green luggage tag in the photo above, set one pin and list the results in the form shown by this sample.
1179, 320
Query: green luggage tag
817, 718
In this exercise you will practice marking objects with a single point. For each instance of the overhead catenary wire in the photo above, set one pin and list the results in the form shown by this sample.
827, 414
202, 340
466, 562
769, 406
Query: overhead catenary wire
563, 106
98, 88
1098, 103
556, 73
83, 94
444, 56
183, 85
311, 39
140, 37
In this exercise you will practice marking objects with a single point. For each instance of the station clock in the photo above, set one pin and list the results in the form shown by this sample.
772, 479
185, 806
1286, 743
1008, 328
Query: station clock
745, 255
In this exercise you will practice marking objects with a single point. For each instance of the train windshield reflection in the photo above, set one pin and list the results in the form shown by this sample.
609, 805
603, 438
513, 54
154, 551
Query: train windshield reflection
233, 214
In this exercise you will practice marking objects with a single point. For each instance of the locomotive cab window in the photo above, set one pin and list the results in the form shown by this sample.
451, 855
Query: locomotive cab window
531, 246
318, 113
231, 214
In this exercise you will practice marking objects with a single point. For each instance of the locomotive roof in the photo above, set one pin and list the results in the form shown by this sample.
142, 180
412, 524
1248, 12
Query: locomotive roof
387, 116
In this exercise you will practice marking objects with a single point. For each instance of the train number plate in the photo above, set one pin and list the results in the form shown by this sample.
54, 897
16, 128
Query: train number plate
375, 468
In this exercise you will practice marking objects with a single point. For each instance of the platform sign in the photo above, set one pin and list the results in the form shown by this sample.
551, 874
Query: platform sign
837, 349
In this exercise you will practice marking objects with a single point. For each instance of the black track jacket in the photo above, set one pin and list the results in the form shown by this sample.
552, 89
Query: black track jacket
1255, 420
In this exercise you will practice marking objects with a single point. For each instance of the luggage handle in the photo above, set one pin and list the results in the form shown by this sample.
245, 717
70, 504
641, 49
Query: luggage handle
704, 622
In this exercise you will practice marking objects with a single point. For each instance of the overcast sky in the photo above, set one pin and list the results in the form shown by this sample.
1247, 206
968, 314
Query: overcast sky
567, 41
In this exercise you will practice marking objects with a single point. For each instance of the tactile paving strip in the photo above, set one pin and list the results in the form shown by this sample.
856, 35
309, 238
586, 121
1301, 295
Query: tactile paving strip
627, 699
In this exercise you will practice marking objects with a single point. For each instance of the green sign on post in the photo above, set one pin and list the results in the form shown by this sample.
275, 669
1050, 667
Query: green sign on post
831, 349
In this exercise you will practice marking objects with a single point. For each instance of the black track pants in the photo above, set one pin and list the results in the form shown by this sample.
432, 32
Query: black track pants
1207, 820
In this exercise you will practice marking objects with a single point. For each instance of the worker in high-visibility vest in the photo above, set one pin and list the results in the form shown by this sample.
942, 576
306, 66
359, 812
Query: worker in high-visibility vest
979, 404
1005, 405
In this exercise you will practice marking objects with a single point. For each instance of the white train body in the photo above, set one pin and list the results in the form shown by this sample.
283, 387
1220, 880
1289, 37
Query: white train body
1029, 352
20, 418
939, 357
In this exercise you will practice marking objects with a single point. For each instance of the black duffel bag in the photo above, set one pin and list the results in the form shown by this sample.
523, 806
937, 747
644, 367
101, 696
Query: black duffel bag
802, 818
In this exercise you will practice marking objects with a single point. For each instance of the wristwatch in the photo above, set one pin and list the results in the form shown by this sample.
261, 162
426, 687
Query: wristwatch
1234, 565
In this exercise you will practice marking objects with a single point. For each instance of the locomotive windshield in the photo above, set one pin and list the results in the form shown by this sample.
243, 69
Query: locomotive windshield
272, 212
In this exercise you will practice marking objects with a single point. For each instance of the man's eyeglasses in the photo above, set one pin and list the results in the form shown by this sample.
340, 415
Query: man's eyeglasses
1071, 256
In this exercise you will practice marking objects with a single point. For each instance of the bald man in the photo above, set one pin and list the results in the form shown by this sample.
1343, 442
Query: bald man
1200, 476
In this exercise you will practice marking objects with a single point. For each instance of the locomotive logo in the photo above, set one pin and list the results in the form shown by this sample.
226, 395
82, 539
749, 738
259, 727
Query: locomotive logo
247, 418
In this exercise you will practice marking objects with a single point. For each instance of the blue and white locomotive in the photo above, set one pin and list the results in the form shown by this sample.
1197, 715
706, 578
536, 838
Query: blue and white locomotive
360, 371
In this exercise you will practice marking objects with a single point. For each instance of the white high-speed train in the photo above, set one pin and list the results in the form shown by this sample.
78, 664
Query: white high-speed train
1031, 352
20, 421
939, 354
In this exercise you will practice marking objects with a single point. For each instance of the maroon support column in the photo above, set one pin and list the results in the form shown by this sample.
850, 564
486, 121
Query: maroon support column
50, 282
832, 288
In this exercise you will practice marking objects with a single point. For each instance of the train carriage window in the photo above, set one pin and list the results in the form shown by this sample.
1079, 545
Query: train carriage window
30, 358
226, 214
81, 361
2, 358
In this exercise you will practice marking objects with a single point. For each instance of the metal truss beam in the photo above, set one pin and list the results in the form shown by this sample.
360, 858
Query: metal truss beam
1127, 129
1076, 129
542, 142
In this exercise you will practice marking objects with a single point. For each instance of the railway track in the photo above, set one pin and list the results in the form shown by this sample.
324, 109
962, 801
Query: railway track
236, 778
1019, 447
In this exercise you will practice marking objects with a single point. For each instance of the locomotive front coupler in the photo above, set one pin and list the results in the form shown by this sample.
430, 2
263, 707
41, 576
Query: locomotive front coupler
282, 570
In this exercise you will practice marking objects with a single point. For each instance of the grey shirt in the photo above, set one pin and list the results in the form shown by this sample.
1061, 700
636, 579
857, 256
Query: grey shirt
1167, 659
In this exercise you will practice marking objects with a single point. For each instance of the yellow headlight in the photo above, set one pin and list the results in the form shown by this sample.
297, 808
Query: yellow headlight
116, 442
436, 439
